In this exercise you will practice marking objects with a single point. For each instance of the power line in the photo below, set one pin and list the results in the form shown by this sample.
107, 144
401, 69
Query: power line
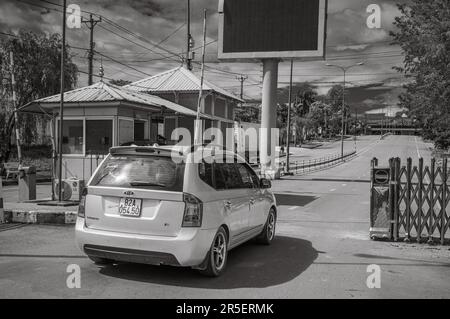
123, 64
118, 26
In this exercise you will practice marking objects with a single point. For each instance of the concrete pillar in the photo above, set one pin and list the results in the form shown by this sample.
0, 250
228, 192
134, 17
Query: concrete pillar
268, 116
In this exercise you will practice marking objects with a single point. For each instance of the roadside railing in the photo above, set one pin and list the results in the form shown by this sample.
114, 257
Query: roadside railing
304, 166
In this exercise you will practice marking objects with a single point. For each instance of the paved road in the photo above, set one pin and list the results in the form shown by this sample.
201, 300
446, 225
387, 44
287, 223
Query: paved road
322, 250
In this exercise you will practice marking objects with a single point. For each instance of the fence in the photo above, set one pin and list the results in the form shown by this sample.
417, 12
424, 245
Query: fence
419, 199
308, 165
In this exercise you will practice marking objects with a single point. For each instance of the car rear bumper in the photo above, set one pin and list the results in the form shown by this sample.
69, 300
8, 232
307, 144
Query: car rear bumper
188, 249
131, 255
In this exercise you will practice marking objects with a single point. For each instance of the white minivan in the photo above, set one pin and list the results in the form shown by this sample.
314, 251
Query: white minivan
147, 205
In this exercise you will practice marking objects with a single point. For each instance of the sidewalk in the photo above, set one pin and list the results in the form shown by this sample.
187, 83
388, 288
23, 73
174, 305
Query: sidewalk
32, 213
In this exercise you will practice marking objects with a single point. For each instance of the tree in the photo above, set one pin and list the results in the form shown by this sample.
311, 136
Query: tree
37, 74
334, 97
303, 96
423, 33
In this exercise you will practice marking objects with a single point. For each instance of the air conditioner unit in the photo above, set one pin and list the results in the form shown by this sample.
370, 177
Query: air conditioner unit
71, 189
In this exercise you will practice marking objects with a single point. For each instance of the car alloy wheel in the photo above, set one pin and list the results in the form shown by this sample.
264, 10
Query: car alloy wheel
217, 257
219, 251
271, 225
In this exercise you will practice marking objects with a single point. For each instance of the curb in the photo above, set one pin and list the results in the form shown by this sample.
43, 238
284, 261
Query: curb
40, 217
14, 182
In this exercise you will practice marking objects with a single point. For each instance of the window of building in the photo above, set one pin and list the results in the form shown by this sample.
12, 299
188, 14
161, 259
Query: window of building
99, 136
72, 139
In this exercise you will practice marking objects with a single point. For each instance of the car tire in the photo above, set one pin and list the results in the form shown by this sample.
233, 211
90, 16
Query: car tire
268, 234
101, 261
216, 260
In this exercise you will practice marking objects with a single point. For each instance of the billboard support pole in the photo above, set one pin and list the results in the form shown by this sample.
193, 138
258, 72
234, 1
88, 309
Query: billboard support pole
268, 117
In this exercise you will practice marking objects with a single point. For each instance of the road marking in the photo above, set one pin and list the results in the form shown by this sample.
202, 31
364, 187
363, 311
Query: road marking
344, 185
332, 190
417, 147
293, 208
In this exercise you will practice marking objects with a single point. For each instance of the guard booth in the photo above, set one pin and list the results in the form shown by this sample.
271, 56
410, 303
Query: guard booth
381, 202
101, 116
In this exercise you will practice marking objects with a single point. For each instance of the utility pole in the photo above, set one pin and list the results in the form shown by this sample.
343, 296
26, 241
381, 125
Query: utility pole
289, 122
91, 23
61, 106
16, 115
198, 123
242, 79
190, 42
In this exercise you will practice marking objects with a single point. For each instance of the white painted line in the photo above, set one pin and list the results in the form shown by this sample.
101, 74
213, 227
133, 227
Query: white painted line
344, 185
417, 147
293, 208
332, 190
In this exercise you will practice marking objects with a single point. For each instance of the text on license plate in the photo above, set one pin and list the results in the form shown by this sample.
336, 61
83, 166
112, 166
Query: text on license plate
130, 207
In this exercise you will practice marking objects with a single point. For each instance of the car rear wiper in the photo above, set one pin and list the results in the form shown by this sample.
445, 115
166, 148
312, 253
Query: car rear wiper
138, 183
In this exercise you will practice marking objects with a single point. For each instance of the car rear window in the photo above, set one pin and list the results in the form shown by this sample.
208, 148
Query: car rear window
148, 172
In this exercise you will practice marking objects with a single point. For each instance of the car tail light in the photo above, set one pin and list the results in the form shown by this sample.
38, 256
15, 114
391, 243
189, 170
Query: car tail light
193, 211
81, 206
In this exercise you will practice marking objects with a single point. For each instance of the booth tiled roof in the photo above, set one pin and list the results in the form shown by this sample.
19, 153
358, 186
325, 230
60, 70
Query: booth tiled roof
177, 80
102, 92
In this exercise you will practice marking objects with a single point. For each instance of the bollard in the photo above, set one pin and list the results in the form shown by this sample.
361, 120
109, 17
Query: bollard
2, 212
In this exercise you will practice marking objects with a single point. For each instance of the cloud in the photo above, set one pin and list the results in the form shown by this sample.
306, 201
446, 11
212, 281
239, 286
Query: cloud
154, 20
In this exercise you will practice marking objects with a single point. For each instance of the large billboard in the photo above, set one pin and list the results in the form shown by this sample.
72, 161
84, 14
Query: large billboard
263, 29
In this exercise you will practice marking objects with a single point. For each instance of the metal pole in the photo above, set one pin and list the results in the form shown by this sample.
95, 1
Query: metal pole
289, 122
16, 115
198, 124
188, 50
91, 51
268, 114
61, 106
343, 115
91, 23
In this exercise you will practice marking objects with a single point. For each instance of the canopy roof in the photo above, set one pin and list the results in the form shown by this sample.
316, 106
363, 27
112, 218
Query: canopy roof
177, 80
101, 92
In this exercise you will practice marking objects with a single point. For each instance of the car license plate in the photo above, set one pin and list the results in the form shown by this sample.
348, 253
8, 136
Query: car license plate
130, 207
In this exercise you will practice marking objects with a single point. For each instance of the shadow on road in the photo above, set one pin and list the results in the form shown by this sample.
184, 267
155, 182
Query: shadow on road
294, 199
249, 266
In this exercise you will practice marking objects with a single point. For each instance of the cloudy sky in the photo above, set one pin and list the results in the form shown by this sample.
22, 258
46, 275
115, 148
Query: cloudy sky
133, 30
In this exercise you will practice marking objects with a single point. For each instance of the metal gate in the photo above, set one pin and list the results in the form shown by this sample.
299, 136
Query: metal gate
418, 201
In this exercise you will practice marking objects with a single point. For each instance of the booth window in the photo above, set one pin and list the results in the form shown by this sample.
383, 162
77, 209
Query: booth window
72, 140
98, 136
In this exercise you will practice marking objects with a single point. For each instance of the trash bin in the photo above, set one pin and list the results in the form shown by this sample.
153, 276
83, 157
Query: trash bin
27, 183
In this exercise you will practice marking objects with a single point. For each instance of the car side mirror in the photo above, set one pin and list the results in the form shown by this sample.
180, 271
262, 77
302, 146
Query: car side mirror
265, 183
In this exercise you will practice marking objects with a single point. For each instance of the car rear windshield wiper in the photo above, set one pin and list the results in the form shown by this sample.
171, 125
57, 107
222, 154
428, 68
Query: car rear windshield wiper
138, 183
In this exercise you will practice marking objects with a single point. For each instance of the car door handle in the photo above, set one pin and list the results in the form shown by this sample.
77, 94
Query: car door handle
227, 204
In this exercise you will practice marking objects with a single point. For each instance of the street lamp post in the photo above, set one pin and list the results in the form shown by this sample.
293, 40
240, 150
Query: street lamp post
344, 69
